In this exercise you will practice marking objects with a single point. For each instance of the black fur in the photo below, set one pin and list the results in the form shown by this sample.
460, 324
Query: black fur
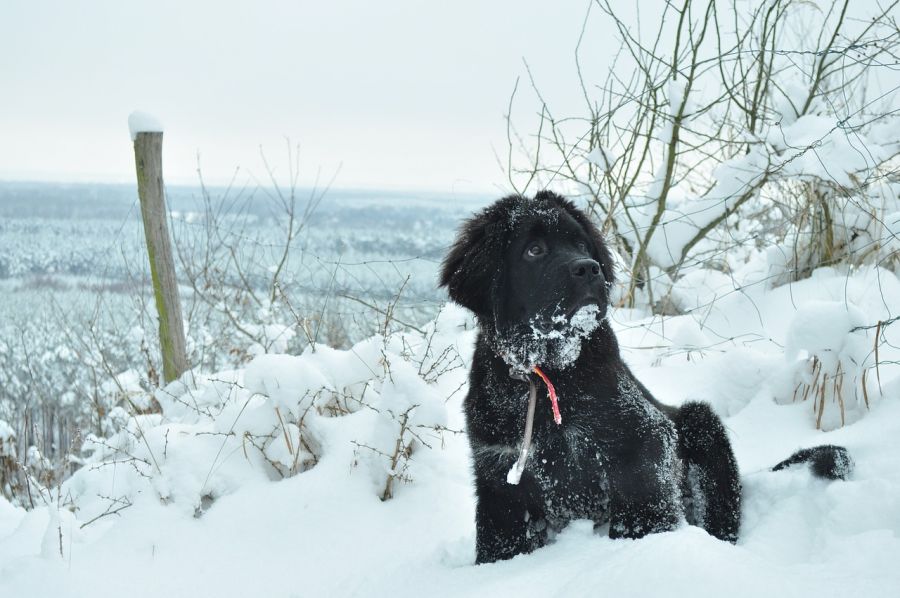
711, 485
620, 457
826, 461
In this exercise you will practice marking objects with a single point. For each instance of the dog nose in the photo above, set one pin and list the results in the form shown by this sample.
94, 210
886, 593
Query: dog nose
584, 268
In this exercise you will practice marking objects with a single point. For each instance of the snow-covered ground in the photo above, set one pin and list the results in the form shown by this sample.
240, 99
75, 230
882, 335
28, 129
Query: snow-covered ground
192, 502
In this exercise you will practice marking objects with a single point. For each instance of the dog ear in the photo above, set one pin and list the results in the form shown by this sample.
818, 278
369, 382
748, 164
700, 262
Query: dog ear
473, 261
603, 255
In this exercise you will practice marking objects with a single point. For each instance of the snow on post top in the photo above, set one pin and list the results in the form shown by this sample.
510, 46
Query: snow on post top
141, 122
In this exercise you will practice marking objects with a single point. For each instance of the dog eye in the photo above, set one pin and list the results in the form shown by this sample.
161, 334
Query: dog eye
535, 250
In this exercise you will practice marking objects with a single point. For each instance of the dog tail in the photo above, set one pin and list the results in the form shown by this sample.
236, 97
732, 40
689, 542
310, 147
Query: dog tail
826, 461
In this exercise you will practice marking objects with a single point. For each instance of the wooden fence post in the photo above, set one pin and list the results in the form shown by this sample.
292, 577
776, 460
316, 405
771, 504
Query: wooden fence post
148, 162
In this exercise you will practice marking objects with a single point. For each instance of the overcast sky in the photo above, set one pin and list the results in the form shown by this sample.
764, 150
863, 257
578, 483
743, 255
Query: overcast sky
400, 94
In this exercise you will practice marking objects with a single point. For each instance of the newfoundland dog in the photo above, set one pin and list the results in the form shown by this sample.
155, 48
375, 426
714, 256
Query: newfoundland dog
537, 275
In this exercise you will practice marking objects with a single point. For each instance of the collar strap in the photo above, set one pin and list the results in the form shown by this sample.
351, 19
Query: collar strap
551, 391
515, 472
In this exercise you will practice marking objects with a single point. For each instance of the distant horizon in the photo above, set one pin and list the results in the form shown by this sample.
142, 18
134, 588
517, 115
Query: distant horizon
216, 177
334, 189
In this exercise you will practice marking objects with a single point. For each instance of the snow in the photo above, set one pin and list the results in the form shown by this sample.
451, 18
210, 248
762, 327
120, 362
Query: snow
836, 154
829, 341
7, 440
322, 529
6, 431
557, 346
142, 122
602, 158
814, 148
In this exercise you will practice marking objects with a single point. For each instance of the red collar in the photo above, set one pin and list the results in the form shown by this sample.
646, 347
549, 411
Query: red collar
554, 401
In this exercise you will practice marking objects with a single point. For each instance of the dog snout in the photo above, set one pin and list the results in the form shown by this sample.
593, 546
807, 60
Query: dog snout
584, 269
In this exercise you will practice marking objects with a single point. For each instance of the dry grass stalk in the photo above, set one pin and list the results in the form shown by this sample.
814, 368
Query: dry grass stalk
865, 388
838, 387
821, 384
877, 360
821, 401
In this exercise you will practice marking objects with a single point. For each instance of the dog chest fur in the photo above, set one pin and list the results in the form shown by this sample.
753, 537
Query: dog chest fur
568, 464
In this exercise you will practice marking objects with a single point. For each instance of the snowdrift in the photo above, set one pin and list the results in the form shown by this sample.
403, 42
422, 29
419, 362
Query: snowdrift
346, 473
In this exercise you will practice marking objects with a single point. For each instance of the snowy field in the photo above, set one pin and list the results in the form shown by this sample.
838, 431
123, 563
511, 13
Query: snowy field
78, 233
742, 159
219, 496
76, 305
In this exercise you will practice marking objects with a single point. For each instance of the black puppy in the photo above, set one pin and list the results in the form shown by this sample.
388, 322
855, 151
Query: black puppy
537, 275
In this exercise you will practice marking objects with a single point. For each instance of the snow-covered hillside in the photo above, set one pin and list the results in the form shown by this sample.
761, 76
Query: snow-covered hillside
268, 481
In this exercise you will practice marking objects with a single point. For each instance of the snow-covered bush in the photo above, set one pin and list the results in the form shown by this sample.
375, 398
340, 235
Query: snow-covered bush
752, 133
261, 271
8, 459
828, 356
374, 410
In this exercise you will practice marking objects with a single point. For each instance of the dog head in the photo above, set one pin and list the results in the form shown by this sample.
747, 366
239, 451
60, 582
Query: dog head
536, 273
